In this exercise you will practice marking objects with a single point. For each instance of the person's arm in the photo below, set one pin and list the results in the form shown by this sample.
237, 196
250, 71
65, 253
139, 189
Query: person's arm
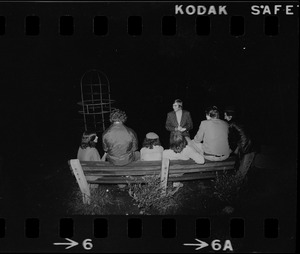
197, 157
200, 134
142, 154
95, 156
135, 144
104, 144
243, 142
104, 157
188, 140
78, 153
169, 124
189, 122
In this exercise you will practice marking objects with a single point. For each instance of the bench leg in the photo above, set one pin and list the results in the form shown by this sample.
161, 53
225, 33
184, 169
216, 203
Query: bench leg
81, 180
164, 175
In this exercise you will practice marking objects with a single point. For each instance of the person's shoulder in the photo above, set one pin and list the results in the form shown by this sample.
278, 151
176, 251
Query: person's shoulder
159, 148
188, 149
104, 132
204, 122
168, 151
224, 122
107, 130
186, 112
130, 130
94, 150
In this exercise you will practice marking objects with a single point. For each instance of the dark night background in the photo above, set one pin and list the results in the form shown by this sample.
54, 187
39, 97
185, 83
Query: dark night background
40, 78
40, 75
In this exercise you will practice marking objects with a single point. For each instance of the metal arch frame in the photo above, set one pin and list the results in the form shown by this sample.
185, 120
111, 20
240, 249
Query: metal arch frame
83, 100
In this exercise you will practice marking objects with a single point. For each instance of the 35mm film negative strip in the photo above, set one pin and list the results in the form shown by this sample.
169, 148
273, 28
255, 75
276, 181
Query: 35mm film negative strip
148, 126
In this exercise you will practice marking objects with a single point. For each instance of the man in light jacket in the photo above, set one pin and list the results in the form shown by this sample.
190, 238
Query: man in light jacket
211, 139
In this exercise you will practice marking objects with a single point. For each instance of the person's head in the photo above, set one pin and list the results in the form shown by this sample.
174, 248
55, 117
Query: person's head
177, 141
89, 139
229, 114
212, 112
177, 105
151, 139
118, 116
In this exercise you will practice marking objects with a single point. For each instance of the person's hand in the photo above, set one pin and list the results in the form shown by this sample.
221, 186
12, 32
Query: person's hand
181, 129
104, 157
188, 140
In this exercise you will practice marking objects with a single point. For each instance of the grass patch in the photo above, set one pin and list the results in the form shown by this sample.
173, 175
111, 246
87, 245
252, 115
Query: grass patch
226, 187
149, 199
100, 200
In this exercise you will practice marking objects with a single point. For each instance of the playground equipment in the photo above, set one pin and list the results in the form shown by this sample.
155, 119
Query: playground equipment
95, 103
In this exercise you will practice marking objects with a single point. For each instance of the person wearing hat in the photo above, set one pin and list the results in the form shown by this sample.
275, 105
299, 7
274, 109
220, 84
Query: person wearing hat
179, 119
120, 142
152, 149
87, 150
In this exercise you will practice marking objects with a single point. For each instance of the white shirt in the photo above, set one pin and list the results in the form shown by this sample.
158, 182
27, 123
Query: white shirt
154, 154
88, 154
178, 116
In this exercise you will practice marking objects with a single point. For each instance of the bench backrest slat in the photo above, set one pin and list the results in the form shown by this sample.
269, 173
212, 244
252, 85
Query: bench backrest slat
152, 163
146, 172
90, 167
139, 179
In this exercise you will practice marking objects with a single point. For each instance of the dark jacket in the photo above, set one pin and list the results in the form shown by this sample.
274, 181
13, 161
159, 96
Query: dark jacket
186, 122
239, 139
120, 143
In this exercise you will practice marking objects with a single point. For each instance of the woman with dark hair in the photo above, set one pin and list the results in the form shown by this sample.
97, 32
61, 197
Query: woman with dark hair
180, 150
87, 150
152, 149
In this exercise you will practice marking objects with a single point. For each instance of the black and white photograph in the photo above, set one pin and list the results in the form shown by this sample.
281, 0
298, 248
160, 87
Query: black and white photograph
119, 118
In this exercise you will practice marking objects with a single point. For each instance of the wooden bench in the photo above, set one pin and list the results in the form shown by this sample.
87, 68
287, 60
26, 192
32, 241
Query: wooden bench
90, 172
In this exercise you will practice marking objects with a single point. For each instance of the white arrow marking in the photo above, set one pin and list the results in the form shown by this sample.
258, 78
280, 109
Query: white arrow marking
200, 245
71, 243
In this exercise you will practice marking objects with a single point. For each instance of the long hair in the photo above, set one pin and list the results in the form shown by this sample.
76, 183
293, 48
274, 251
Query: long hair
149, 143
87, 139
177, 141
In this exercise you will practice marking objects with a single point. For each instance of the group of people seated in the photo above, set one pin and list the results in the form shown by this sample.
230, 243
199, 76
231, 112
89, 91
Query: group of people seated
215, 140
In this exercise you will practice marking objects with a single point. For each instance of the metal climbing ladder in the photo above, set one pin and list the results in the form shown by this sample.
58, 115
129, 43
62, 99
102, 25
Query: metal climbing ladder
95, 103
